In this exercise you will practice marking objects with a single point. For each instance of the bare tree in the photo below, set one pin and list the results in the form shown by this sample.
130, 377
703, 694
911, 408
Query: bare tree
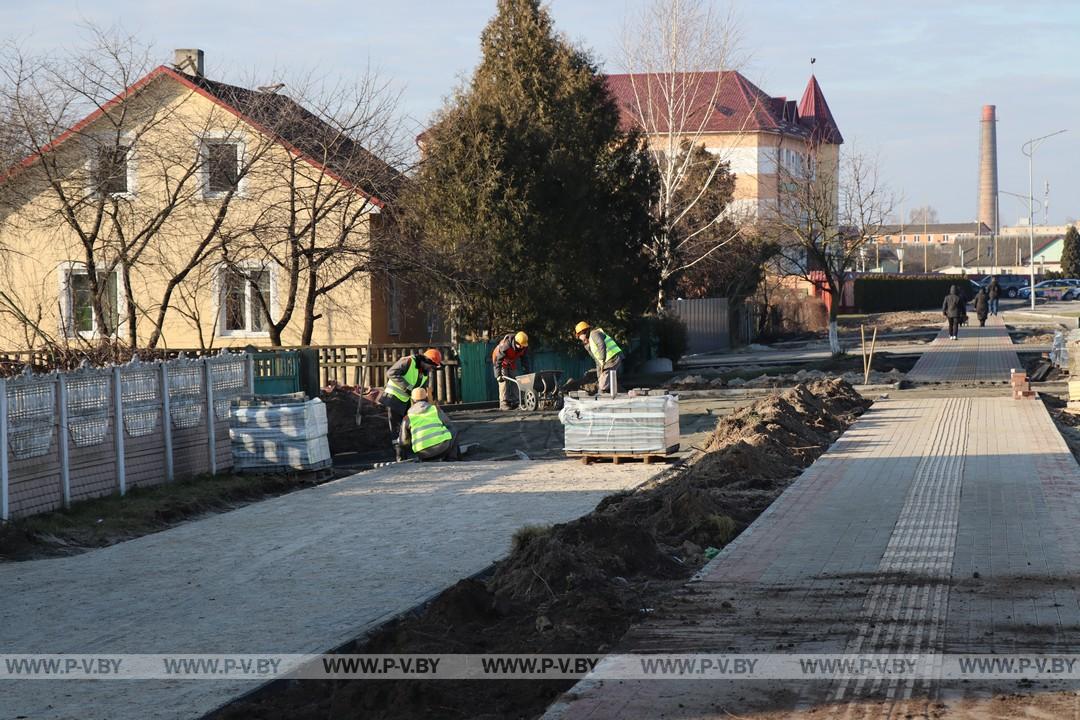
676, 53
925, 215
326, 216
829, 208
109, 166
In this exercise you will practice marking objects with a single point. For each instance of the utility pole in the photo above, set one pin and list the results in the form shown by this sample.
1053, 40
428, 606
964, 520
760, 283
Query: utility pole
1028, 149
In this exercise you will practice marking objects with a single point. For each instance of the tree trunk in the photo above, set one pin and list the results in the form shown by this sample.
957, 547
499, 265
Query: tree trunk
129, 297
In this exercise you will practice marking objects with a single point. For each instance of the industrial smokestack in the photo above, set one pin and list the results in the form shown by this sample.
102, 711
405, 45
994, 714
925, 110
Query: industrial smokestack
988, 176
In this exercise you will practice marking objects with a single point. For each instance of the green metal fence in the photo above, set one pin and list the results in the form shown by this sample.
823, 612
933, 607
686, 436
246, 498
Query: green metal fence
277, 372
478, 381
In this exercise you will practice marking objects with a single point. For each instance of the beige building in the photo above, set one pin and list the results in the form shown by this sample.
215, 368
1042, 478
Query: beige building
764, 139
208, 211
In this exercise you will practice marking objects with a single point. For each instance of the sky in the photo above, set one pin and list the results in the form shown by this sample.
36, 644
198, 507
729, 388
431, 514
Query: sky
905, 81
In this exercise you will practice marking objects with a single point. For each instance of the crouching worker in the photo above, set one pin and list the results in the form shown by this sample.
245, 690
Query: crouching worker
407, 374
427, 431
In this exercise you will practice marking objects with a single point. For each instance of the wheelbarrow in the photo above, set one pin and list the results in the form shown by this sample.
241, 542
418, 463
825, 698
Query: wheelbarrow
538, 390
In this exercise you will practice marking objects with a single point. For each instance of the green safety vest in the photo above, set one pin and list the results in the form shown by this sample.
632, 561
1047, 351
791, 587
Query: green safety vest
610, 347
427, 429
413, 379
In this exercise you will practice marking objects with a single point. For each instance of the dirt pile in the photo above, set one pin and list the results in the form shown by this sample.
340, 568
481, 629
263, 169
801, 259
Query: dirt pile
578, 586
355, 422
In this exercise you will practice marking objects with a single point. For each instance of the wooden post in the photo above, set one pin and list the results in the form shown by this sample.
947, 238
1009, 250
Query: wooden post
166, 422
5, 512
870, 360
862, 331
118, 430
65, 460
211, 418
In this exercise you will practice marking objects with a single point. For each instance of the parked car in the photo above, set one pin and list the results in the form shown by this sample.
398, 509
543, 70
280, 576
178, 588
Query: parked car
1064, 289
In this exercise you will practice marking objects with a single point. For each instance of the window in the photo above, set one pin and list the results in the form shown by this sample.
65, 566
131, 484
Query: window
80, 302
222, 166
241, 307
112, 170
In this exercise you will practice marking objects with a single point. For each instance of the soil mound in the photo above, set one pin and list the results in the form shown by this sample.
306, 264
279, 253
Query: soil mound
355, 423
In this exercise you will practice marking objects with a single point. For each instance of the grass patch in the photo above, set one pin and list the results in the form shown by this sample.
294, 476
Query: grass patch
111, 519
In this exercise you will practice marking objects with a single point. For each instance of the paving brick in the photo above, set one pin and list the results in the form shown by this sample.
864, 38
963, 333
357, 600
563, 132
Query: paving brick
981, 354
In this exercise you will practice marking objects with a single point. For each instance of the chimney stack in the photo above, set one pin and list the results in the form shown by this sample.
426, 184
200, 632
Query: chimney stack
189, 61
988, 175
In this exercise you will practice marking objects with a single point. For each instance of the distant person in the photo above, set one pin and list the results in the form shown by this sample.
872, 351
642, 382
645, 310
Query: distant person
427, 431
994, 293
982, 307
955, 310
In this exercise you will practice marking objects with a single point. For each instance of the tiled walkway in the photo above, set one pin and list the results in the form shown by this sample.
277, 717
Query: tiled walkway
933, 525
303, 572
981, 354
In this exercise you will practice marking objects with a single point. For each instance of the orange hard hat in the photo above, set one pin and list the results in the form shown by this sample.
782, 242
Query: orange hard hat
434, 356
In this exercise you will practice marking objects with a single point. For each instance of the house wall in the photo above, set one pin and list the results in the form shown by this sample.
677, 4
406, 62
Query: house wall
36, 244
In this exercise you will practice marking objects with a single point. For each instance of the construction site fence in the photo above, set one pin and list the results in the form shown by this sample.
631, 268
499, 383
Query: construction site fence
478, 380
286, 369
91, 432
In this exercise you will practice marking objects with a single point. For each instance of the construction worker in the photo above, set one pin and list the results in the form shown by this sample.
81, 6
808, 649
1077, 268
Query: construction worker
427, 431
504, 359
404, 376
605, 352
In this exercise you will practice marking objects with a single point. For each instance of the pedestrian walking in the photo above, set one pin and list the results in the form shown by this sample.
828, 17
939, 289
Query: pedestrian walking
982, 307
504, 360
607, 355
954, 308
994, 292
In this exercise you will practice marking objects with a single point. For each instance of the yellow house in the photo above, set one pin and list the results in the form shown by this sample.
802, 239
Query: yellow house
189, 213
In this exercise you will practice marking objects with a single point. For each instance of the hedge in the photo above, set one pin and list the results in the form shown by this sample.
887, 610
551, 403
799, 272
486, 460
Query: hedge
886, 293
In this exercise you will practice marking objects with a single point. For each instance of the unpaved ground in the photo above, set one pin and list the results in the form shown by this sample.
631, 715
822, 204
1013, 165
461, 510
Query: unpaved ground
886, 369
577, 587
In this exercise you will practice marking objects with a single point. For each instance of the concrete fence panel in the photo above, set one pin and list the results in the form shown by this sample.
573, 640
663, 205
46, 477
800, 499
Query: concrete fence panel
66, 437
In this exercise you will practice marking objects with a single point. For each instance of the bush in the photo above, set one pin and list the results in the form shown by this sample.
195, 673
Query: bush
886, 293
671, 336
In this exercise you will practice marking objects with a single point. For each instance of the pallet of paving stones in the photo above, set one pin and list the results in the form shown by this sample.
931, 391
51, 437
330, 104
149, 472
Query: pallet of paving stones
617, 458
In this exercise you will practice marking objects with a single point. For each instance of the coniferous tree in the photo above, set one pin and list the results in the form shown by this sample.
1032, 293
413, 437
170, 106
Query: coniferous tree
530, 196
1070, 253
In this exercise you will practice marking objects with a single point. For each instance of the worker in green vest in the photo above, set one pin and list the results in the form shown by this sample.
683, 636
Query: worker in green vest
404, 376
605, 352
427, 430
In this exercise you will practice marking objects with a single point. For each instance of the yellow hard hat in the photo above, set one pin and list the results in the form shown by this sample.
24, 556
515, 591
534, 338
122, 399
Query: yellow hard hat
581, 327
419, 394
522, 339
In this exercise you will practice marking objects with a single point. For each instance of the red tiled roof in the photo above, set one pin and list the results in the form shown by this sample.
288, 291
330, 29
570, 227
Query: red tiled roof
280, 118
737, 105
815, 113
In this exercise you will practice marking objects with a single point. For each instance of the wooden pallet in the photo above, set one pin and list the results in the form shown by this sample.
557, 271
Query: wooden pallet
617, 458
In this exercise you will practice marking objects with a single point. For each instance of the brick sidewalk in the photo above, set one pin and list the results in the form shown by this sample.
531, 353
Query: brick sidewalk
981, 354
303, 572
932, 525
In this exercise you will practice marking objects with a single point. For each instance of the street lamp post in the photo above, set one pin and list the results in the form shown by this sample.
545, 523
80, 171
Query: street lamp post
1028, 149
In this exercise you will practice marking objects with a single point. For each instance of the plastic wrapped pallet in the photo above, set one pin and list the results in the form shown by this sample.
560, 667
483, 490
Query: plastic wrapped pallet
623, 425
278, 433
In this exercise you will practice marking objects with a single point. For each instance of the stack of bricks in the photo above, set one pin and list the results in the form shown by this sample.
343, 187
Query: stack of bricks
1073, 406
1021, 386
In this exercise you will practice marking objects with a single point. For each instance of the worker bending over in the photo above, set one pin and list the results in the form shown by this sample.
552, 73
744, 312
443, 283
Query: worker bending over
404, 376
605, 352
504, 359
427, 430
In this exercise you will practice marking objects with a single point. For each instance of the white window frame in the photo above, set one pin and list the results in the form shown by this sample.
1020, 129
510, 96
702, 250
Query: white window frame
219, 297
217, 138
93, 164
66, 324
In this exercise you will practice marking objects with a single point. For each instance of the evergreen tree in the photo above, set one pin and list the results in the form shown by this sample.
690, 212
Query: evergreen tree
1070, 253
532, 200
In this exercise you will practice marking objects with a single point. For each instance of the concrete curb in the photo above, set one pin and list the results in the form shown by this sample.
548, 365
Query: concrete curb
1070, 322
